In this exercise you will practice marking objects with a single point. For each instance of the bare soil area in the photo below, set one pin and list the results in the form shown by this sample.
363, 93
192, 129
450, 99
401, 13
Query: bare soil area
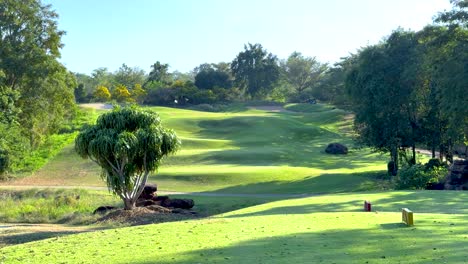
100, 106
270, 108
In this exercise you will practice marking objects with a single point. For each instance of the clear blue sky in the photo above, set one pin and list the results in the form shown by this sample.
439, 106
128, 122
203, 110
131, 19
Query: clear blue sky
186, 33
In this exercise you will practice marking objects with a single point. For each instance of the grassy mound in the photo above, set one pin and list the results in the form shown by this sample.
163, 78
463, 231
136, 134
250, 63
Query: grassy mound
328, 229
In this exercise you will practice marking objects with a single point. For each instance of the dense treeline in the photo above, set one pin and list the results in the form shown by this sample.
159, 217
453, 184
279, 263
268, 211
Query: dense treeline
412, 89
255, 74
36, 91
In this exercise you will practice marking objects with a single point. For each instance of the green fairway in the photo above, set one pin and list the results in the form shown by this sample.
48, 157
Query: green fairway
322, 229
245, 151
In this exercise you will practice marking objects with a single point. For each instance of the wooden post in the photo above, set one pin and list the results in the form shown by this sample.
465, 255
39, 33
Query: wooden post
407, 216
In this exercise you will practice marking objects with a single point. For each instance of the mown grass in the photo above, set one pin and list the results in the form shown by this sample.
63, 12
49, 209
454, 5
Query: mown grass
245, 151
257, 151
322, 229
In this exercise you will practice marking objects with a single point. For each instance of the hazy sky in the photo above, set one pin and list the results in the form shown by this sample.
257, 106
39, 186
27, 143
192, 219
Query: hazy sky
186, 33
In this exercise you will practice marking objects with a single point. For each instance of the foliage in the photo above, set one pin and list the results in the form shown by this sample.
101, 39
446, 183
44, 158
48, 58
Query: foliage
159, 73
419, 176
102, 94
29, 48
51, 206
127, 144
255, 71
210, 76
302, 72
122, 95
128, 77
138, 93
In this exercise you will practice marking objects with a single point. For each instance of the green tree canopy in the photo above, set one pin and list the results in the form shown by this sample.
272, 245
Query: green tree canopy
302, 72
255, 70
128, 144
209, 76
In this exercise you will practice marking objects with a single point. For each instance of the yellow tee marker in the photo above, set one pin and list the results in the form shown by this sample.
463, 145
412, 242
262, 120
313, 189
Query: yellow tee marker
407, 216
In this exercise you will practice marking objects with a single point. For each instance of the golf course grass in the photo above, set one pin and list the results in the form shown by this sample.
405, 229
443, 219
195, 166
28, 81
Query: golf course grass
321, 229
244, 151
252, 160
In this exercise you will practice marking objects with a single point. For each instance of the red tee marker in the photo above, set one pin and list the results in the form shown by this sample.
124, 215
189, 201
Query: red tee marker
367, 206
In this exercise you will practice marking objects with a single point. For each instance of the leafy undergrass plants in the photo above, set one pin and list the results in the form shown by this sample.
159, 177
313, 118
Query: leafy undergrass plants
74, 206
35, 159
328, 229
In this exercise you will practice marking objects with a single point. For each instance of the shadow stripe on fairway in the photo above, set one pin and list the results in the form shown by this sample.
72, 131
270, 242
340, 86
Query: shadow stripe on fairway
207, 194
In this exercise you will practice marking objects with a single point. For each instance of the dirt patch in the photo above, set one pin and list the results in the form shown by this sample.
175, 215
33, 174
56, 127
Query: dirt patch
146, 215
270, 109
100, 106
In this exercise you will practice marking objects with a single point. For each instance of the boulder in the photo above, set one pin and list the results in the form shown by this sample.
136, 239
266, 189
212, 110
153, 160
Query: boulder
150, 188
178, 203
103, 209
149, 191
336, 148
457, 179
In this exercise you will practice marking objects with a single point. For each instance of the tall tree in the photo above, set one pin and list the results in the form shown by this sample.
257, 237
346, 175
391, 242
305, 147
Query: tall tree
255, 71
159, 73
30, 45
382, 96
128, 76
127, 144
209, 76
302, 72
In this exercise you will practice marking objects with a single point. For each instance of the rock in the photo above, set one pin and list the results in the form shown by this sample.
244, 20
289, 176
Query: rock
336, 148
149, 191
160, 198
457, 179
144, 202
150, 188
103, 209
178, 203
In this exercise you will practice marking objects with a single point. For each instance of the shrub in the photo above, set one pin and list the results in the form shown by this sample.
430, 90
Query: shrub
418, 177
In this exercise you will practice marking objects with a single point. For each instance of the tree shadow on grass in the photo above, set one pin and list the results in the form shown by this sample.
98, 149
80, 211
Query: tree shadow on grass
12, 237
275, 140
324, 183
380, 245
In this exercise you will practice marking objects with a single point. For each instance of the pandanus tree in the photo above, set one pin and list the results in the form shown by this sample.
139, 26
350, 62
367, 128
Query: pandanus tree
128, 144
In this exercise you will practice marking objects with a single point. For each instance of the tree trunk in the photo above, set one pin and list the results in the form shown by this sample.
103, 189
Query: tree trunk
414, 155
128, 203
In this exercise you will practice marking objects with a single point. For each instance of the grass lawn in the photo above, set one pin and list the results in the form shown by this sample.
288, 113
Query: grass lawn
244, 151
321, 229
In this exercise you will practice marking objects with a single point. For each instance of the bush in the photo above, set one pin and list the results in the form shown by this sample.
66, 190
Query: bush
434, 163
418, 177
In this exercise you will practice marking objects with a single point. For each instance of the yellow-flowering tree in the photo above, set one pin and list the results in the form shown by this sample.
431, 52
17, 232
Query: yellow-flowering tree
102, 94
138, 93
122, 95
